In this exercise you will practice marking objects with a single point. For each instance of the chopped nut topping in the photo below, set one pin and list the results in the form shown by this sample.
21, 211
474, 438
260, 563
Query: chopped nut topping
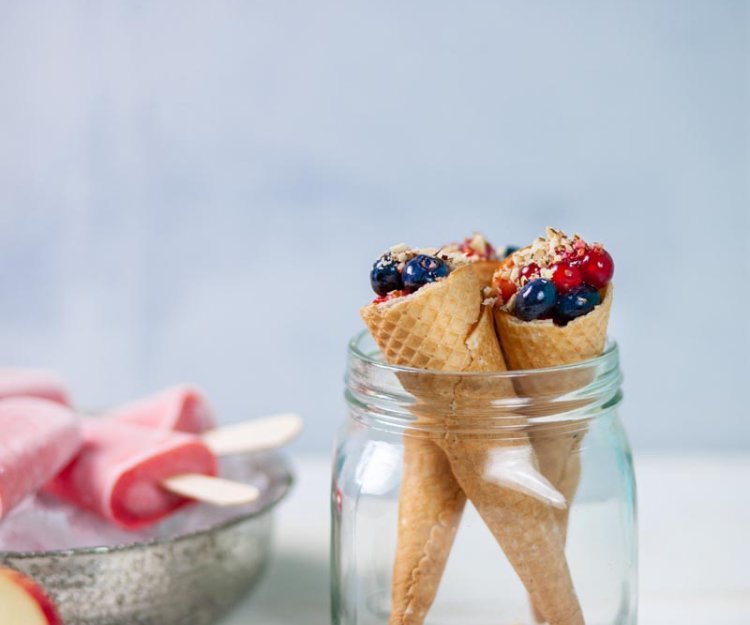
543, 252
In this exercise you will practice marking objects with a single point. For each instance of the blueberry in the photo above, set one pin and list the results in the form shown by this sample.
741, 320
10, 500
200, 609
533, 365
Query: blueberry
535, 299
385, 276
576, 303
423, 269
510, 249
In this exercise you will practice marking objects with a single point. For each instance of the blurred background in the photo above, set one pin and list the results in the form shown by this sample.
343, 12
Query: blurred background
196, 191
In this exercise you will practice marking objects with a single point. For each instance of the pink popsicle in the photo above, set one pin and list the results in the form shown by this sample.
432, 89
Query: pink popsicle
183, 408
37, 438
33, 383
119, 470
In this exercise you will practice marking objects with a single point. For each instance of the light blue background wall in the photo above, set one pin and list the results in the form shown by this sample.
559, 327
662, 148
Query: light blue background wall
195, 190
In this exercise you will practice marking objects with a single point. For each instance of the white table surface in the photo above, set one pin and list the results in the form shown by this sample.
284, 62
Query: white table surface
694, 517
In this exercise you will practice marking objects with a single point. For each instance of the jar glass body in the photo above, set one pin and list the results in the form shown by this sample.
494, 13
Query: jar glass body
526, 447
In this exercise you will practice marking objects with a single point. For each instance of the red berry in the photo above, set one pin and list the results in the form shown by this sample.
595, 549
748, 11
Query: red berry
389, 296
529, 271
465, 248
597, 267
468, 248
575, 258
565, 277
506, 288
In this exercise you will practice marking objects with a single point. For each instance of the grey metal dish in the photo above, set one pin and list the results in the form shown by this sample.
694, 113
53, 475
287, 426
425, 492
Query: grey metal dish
199, 563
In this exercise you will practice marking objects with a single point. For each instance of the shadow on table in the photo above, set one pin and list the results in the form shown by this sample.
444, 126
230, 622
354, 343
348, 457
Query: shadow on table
295, 589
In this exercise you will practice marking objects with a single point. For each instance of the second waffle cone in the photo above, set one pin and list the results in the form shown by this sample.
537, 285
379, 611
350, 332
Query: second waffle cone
542, 344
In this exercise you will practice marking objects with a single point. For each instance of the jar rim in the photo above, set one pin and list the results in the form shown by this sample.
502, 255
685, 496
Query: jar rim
392, 396
399, 397
606, 359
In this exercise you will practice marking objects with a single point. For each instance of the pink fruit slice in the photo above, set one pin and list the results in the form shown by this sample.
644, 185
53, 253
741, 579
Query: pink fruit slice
183, 408
23, 602
37, 439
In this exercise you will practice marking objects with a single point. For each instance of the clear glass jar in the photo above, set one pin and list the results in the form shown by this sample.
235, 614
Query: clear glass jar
550, 527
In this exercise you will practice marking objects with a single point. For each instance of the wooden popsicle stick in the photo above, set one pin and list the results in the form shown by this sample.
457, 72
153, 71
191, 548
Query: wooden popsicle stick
214, 490
254, 434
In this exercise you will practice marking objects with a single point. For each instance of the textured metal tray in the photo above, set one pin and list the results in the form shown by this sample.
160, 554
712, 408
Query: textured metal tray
187, 576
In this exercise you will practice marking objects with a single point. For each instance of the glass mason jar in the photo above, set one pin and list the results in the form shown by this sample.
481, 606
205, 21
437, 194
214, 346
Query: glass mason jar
549, 530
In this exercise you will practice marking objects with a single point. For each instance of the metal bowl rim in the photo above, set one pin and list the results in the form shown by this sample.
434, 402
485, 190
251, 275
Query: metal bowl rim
287, 482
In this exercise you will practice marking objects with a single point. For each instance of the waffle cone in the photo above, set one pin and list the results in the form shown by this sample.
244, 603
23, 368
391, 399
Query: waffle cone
430, 507
444, 328
541, 344
425, 330
525, 527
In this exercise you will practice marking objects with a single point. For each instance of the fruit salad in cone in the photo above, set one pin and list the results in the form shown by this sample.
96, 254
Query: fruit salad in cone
552, 301
555, 279
429, 315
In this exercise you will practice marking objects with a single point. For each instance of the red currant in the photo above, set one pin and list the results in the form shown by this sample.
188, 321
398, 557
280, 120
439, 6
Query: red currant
507, 288
565, 277
597, 267
468, 248
575, 258
529, 271
465, 248
389, 296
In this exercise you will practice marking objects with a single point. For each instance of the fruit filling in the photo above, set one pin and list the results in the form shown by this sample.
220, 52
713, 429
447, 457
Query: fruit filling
475, 247
556, 277
403, 270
